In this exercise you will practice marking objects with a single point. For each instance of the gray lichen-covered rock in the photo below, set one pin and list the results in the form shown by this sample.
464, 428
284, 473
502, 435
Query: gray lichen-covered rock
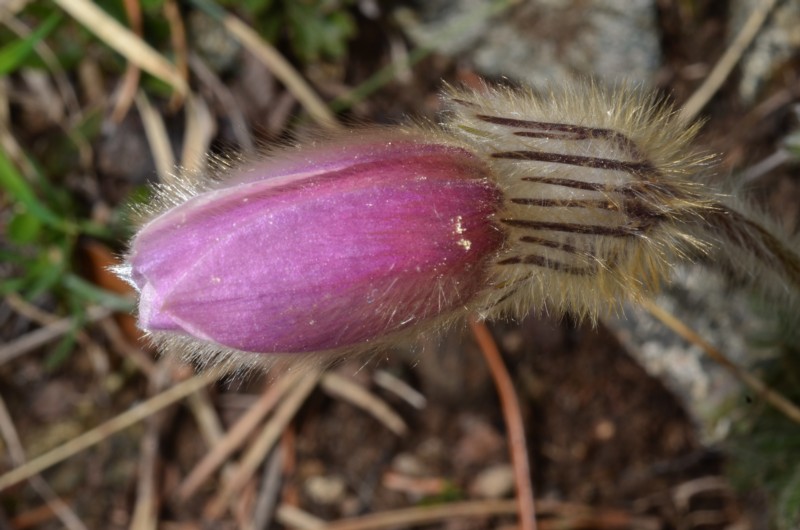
722, 317
776, 43
543, 41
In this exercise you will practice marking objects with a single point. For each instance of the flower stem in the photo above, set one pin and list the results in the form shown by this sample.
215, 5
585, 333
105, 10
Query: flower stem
512, 416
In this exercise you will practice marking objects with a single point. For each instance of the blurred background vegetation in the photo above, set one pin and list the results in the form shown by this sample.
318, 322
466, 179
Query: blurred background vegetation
100, 99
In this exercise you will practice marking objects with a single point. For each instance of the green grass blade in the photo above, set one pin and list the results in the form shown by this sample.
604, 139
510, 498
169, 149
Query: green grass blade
92, 293
14, 54
14, 183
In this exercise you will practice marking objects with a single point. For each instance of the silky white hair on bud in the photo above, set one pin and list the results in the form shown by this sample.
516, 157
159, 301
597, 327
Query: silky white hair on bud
604, 194
596, 181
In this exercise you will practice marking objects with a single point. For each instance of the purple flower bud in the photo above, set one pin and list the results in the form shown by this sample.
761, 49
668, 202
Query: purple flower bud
567, 202
324, 248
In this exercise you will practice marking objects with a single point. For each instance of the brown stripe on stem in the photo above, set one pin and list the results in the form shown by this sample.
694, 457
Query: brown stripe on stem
756, 239
560, 203
574, 132
633, 190
509, 294
541, 241
463, 102
548, 135
637, 168
540, 261
582, 185
575, 228
577, 130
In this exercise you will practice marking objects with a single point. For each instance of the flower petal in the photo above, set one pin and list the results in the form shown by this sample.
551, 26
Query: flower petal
341, 250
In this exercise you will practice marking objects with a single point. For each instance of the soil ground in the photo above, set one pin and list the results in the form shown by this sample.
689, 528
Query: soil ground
610, 447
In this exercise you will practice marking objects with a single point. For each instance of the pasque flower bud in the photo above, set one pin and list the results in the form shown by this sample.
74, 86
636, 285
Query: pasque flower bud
325, 248
569, 202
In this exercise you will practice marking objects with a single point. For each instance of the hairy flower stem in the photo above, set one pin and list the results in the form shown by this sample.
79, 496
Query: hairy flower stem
602, 204
752, 252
